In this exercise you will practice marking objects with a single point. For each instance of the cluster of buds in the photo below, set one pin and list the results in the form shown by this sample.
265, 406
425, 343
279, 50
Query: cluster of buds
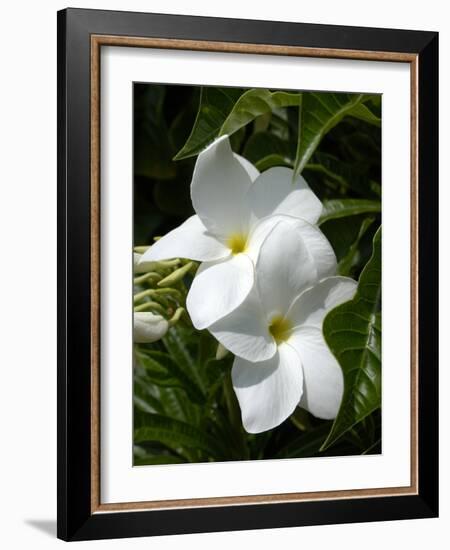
159, 295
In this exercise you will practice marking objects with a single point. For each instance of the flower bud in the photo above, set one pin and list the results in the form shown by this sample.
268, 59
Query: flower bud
176, 275
148, 327
221, 351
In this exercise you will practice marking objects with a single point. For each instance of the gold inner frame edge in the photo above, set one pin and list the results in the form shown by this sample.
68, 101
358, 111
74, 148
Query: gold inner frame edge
97, 41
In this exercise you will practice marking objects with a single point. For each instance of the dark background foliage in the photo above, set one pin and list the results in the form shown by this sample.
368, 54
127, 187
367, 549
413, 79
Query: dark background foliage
185, 409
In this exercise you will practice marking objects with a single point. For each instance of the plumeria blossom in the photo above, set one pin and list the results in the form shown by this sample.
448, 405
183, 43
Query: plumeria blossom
235, 207
282, 359
148, 327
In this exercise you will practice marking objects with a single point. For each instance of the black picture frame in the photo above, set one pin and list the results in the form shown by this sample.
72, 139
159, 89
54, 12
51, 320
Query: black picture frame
76, 521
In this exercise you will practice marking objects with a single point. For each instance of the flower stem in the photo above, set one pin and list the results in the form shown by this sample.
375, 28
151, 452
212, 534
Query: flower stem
150, 305
143, 278
176, 276
176, 316
156, 292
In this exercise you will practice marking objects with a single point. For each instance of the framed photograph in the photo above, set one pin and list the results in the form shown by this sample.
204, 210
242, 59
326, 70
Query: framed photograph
248, 295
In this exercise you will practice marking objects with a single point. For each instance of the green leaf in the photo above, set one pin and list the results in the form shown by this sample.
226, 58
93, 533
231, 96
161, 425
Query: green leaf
176, 342
265, 150
263, 144
215, 106
349, 175
346, 264
162, 370
150, 398
144, 399
373, 449
178, 405
343, 232
272, 160
364, 113
353, 334
319, 113
254, 103
226, 110
176, 435
342, 208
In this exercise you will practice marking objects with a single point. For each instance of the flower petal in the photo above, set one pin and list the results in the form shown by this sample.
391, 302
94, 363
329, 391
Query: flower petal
323, 379
219, 185
315, 241
218, 289
314, 303
319, 248
245, 332
258, 234
269, 391
250, 168
189, 240
284, 269
275, 192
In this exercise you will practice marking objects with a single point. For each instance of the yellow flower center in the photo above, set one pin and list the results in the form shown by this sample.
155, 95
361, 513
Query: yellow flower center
237, 243
280, 328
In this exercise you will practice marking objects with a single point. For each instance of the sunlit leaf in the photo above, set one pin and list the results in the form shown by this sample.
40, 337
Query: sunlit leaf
353, 333
255, 103
215, 106
272, 160
224, 111
319, 113
362, 112
342, 208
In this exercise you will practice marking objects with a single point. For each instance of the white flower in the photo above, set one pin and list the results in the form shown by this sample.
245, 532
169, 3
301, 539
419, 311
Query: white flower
276, 333
148, 327
235, 208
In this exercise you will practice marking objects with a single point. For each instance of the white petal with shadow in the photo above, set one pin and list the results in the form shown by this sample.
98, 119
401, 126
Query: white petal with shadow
219, 185
218, 289
275, 192
269, 391
190, 240
245, 332
323, 378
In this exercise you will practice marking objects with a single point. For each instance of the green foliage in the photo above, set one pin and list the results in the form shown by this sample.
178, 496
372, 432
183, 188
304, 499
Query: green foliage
162, 370
262, 145
351, 258
342, 208
353, 333
185, 409
224, 111
319, 113
256, 103
348, 177
215, 105
181, 437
